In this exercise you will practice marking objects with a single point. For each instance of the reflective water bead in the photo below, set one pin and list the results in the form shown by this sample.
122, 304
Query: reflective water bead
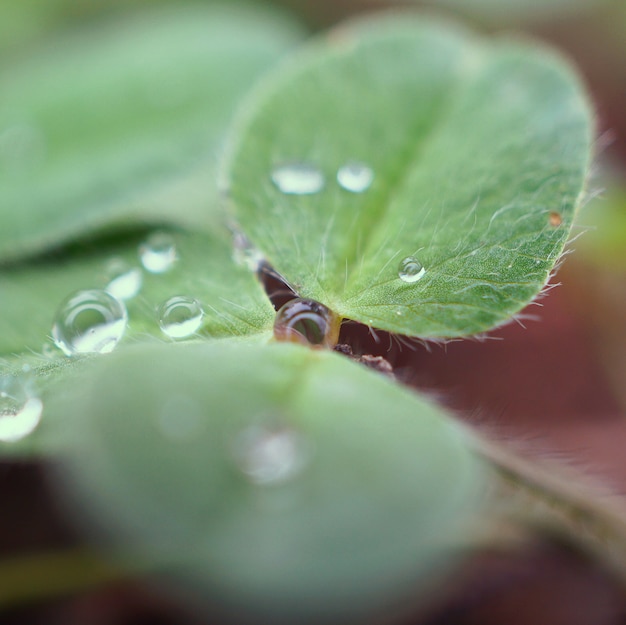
180, 316
158, 252
411, 270
124, 279
20, 408
270, 454
298, 178
355, 177
90, 321
308, 322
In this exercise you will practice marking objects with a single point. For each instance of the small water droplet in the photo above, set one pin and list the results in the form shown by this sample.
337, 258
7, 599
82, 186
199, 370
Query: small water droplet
411, 270
90, 321
306, 321
298, 178
124, 280
355, 177
20, 408
270, 455
245, 254
180, 316
158, 252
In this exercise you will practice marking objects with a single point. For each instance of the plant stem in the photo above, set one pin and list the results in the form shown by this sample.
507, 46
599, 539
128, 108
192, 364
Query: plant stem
557, 500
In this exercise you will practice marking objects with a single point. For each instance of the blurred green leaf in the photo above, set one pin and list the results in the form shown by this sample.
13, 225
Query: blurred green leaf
285, 479
520, 10
120, 122
479, 151
233, 300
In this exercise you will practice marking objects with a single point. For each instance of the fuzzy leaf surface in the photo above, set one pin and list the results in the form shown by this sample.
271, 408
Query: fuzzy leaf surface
120, 123
386, 479
479, 149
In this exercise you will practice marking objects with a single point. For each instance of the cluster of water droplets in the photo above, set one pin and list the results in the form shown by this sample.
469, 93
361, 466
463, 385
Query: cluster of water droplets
95, 320
20, 406
304, 178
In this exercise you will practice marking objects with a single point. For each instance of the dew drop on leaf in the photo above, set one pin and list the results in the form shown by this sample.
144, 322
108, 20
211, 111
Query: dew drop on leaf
180, 316
307, 322
124, 280
355, 177
88, 322
20, 408
411, 270
269, 455
158, 252
298, 178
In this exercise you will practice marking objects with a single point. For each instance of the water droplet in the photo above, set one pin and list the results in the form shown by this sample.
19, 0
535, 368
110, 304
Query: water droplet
298, 178
411, 270
158, 252
180, 316
270, 455
307, 322
124, 279
244, 253
90, 321
20, 408
355, 177
47, 351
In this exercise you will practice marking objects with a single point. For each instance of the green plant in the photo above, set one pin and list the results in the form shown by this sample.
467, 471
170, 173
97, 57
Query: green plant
399, 172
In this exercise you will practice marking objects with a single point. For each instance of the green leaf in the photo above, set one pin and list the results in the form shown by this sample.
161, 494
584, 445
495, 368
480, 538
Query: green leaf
479, 151
233, 301
120, 123
283, 478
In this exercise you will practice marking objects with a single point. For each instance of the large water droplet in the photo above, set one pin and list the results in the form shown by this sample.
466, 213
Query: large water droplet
306, 321
270, 455
20, 408
180, 316
355, 177
298, 178
158, 252
411, 270
124, 279
90, 321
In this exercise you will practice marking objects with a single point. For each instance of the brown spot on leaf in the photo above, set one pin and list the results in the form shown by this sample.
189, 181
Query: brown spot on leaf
555, 219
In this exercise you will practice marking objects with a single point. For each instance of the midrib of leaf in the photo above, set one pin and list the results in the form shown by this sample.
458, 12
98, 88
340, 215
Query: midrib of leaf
378, 207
